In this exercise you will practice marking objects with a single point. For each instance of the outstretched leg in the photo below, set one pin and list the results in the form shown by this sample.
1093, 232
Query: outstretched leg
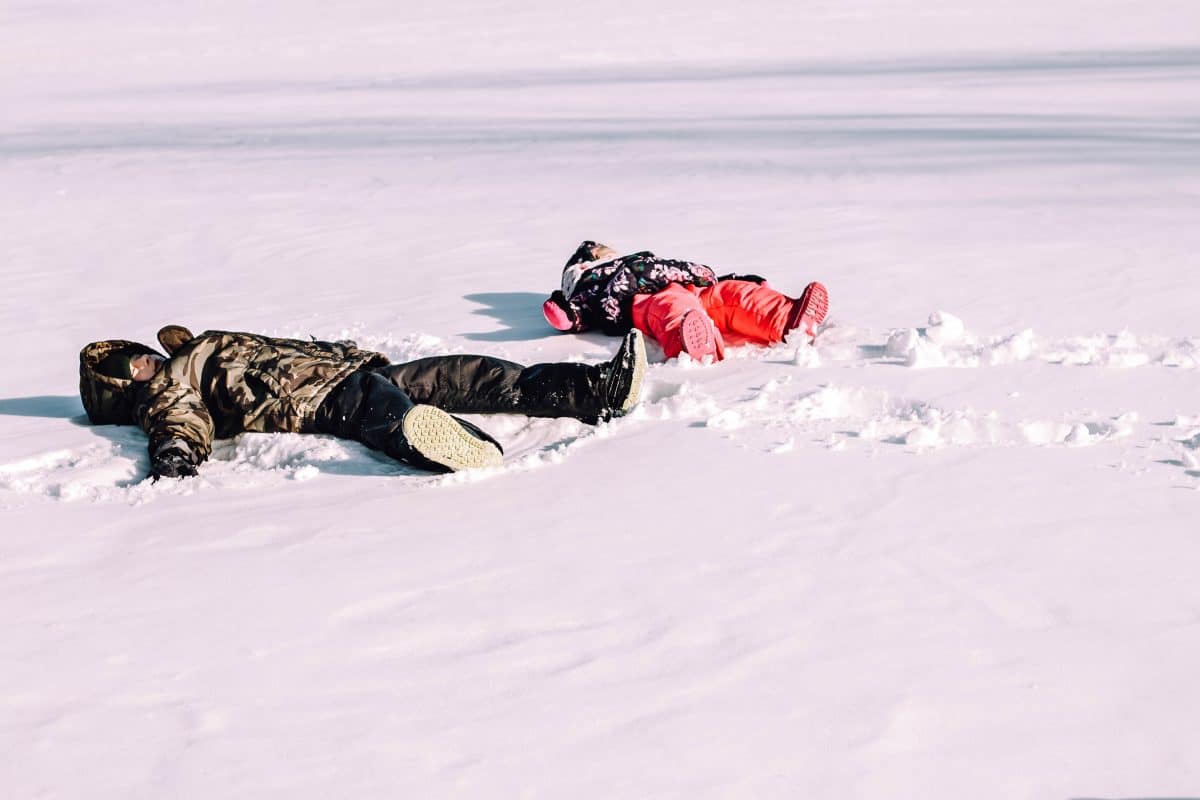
368, 408
754, 312
761, 314
810, 309
477, 384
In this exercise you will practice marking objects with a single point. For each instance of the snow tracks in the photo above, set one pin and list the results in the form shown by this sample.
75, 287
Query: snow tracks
917, 390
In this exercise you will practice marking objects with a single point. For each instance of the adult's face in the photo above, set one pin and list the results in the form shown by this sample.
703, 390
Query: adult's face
143, 367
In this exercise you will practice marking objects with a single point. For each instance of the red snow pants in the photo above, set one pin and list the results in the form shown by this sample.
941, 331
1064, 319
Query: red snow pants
742, 312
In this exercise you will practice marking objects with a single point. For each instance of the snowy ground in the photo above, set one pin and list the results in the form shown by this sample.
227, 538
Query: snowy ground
947, 552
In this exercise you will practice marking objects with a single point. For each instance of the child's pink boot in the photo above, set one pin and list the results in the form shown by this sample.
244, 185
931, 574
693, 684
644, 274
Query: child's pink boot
809, 311
698, 335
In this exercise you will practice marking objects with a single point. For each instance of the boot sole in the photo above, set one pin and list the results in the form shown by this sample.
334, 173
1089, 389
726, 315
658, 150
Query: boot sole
814, 304
697, 334
437, 437
639, 372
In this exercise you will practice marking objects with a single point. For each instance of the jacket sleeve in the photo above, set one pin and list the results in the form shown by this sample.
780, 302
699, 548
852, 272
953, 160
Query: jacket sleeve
697, 274
558, 312
174, 417
579, 312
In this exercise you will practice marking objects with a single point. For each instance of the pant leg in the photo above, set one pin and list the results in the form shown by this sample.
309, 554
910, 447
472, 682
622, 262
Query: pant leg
476, 384
660, 315
758, 313
367, 408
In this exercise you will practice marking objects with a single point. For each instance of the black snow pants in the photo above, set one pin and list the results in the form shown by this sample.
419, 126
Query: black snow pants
369, 406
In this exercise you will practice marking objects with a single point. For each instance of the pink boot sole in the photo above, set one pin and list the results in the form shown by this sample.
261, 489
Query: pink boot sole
699, 338
810, 310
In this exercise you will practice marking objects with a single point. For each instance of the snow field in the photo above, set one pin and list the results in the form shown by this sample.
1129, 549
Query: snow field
935, 555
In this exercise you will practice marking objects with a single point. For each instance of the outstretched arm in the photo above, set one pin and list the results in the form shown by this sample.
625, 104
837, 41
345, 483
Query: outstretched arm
566, 315
558, 312
180, 430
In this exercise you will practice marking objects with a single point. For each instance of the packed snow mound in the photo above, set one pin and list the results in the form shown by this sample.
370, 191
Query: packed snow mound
835, 416
945, 341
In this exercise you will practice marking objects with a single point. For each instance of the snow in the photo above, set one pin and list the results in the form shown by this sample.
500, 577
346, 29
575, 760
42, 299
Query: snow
946, 551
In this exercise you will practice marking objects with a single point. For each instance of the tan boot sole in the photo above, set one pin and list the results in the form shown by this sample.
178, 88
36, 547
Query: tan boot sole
434, 434
639, 373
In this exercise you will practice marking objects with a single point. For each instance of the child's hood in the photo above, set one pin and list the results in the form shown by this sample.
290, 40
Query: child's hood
108, 400
589, 254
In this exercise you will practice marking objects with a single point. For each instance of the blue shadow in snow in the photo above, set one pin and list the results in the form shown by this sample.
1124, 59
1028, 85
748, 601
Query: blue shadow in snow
520, 312
51, 406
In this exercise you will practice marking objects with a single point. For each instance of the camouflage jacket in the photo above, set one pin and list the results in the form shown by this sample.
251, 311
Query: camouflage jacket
219, 384
600, 294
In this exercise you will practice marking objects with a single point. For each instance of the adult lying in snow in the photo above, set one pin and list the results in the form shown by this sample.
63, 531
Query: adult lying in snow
685, 307
220, 383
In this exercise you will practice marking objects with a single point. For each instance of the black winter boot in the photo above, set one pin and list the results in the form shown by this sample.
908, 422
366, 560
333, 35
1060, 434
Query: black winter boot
622, 377
444, 441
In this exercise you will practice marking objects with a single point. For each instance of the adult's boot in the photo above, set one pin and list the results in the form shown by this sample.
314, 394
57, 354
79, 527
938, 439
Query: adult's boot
440, 440
623, 376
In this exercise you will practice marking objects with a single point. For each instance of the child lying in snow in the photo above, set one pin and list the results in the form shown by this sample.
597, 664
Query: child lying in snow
683, 306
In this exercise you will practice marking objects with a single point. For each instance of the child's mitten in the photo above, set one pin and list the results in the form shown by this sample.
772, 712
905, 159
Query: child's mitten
558, 312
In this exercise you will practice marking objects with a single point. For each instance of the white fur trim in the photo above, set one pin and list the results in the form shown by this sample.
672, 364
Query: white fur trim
572, 274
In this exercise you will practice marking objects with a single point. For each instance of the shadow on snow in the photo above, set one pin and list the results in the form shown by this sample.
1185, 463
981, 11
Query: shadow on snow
49, 406
520, 312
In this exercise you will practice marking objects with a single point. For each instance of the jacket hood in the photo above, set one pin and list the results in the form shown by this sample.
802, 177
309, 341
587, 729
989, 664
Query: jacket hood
173, 337
589, 254
108, 400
